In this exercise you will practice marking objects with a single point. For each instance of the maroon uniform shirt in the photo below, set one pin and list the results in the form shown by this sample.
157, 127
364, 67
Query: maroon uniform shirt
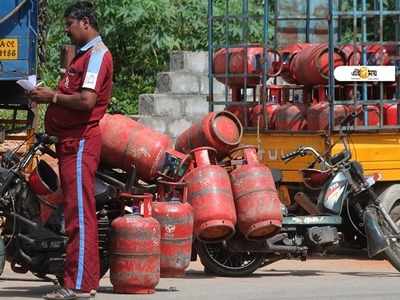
92, 68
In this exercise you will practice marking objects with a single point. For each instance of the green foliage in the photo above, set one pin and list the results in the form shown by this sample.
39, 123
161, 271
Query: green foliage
140, 34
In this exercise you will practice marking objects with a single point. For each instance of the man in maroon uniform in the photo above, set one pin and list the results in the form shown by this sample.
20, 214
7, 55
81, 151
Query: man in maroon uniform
73, 115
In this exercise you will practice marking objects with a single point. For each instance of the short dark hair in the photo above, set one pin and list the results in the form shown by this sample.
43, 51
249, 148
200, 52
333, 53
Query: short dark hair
80, 10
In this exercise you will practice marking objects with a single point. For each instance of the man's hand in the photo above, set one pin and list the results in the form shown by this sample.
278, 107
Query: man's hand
42, 95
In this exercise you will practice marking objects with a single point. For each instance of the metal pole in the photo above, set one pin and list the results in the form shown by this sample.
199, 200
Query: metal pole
265, 63
364, 59
210, 56
308, 15
331, 87
245, 12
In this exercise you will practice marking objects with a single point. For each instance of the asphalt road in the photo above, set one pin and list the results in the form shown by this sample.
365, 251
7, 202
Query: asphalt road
314, 279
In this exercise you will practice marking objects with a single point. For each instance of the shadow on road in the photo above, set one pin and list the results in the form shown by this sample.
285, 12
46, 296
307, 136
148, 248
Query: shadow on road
25, 291
274, 273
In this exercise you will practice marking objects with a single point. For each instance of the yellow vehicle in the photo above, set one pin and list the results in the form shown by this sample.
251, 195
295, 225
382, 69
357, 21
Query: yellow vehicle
253, 81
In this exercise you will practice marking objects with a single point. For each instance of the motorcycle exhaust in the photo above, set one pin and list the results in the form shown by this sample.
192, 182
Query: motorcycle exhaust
376, 241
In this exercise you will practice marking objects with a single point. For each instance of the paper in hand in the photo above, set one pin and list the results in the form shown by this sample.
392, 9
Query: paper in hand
28, 84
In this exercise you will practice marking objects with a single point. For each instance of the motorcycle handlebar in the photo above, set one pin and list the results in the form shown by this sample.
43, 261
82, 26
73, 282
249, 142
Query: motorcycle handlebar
45, 139
291, 155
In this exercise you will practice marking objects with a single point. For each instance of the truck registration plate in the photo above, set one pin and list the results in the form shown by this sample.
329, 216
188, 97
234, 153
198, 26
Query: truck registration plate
8, 49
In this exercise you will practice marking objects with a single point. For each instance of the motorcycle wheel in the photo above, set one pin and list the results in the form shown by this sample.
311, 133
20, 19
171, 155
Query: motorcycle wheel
217, 259
393, 252
2, 256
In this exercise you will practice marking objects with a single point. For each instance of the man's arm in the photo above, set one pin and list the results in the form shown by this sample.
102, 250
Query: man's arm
84, 101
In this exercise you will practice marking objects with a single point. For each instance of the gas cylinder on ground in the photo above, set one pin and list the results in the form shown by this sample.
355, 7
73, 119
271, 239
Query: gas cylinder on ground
135, 250
257, 202
210, 194
175, 216
311, 65
287, 54
220, 130
45, 183
126, 142
291, 116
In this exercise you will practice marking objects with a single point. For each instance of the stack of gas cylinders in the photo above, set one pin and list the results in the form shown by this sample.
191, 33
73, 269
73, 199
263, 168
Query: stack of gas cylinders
301, 103
209, 188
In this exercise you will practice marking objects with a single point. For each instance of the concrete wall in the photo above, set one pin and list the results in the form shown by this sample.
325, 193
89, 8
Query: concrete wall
181, 94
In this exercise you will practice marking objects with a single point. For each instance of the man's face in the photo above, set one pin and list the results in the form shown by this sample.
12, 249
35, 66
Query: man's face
76, 30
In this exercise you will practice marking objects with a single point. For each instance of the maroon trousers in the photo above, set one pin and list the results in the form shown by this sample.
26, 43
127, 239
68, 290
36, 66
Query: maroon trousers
78, 162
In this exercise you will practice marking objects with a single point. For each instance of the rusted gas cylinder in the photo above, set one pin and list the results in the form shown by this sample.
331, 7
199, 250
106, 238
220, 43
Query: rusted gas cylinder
380, 54
126, 142
287, 54
233, 61
45, 183
311, 65
390, 114
175, 216
241, 110
291, 117
135, 251
210, 194
352, 53
257, 202
373, 115
318, 115
257, 115
219, 130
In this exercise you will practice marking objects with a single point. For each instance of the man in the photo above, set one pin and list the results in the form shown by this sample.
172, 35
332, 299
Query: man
73, 115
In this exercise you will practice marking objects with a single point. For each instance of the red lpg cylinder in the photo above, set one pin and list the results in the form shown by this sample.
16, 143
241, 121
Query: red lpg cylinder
257, 202
380, 55
210, 194
175, 216
390, 114
287, 55
236, 61
241, 110
318, 115
373, 115
221, 130
257, 115
353, 54
311, 65
44, 182
291, 117
135, 251
126, 142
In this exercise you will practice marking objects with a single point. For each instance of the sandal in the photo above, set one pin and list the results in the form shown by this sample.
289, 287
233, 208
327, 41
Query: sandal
60, 293
63, 293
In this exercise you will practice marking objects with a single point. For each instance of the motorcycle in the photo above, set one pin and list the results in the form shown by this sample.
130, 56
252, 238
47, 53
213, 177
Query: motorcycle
346, 207
31, 243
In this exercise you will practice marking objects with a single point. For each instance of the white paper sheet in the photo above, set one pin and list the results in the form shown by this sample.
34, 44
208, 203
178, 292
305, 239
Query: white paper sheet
28, 84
